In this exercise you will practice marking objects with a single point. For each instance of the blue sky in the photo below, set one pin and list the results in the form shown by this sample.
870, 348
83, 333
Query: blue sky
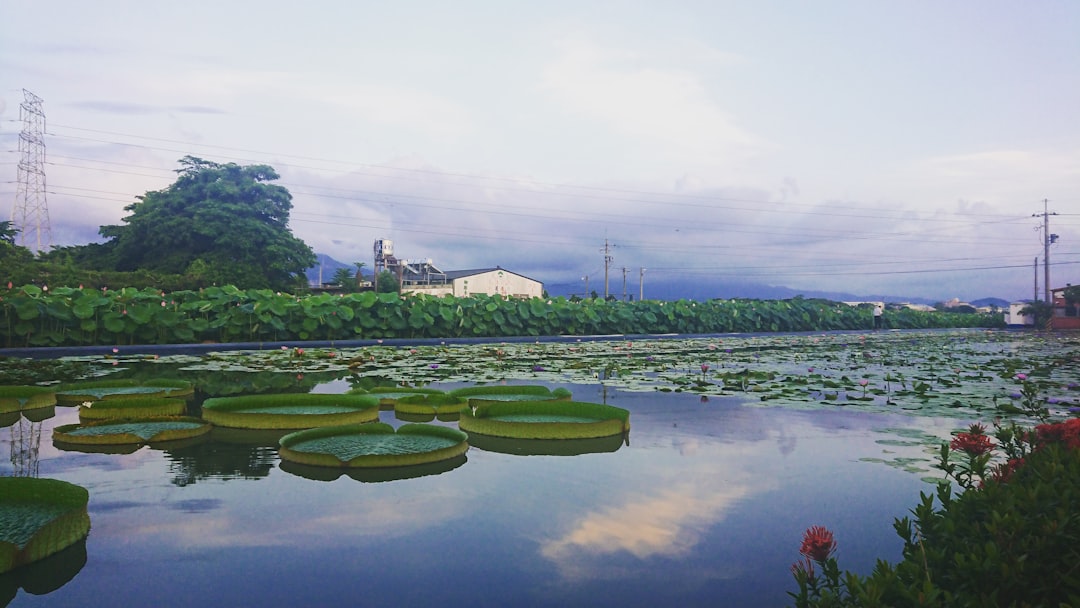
869, 147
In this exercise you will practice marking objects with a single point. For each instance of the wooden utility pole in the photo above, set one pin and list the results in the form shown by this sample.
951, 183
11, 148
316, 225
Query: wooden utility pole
607, 263
1048, 239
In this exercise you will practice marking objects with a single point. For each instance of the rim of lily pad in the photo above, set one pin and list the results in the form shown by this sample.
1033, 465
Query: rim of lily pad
434, 404
389, 395
373, 474
547, 447
46, 575
57, 507
373, 445
512, 392
290, 411
37, 414
135, 431
545, 420
77, 393
142, 407
9, 418
15, 398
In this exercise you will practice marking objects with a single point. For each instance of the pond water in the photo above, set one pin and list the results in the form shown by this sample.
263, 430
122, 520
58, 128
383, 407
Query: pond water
704, 503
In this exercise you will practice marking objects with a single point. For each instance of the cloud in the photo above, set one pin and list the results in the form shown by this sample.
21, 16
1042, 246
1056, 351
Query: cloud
670, 107
122, 107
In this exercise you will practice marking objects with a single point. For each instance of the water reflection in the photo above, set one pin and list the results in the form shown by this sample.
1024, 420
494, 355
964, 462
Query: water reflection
44, 576
218, 459
548, 447
706, 507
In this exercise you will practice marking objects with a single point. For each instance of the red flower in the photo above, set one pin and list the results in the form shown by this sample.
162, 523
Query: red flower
1004, 472
818, 543
1067, 433
972, 444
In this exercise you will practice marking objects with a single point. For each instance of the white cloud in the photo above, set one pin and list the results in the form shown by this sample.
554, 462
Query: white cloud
667, 107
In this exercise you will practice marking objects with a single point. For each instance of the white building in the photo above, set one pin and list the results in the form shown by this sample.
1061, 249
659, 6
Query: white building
486, 281
1014, 318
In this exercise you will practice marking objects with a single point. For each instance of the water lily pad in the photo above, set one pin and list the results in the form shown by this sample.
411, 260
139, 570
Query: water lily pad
545, 420
511, 393
373, 474
82, 392
373, 445
39, 517
141, 407
114, 432
17, 398
289, 411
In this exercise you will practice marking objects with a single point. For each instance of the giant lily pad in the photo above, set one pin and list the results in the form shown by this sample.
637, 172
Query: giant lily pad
545, 420
18, 398
39, 517
82, 392
431, 405
288, 411
373, 445
116, 432
142, 407
389, 395
511, 393
372, 475
546, 447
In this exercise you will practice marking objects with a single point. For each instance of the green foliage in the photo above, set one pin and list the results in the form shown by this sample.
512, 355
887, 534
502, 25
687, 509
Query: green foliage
1040, 311
219, 223
1012, 538
65, 316
387, 283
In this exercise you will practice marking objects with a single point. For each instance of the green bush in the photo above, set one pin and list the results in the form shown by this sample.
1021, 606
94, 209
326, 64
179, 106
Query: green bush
69, 316
1011, 538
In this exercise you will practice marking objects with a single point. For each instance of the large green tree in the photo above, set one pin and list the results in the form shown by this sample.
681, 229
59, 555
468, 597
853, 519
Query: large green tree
223, 223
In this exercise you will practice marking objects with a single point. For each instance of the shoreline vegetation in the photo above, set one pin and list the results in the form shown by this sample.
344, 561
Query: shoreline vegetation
32, 316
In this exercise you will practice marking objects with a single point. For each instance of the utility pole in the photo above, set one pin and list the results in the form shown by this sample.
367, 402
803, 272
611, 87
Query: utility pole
641, 284
586, 279
624, 283
607, 264
1048, 239
1035, 296
30, 212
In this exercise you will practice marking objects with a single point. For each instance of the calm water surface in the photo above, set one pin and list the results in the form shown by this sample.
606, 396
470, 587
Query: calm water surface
705, 505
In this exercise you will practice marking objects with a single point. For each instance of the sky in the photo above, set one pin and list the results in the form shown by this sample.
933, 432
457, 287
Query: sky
905, 148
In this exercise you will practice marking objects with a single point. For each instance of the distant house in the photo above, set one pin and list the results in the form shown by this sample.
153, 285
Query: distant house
464, 283
1015, 318
1065, 315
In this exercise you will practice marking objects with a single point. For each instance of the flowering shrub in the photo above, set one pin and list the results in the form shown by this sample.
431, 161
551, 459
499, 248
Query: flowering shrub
1011, 538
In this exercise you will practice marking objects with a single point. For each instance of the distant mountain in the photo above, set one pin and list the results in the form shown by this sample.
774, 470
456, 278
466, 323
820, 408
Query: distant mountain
990, 302
679, 288
325, 266
705, 289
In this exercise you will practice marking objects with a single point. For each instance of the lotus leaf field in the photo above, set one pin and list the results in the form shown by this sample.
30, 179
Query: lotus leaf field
739, 443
